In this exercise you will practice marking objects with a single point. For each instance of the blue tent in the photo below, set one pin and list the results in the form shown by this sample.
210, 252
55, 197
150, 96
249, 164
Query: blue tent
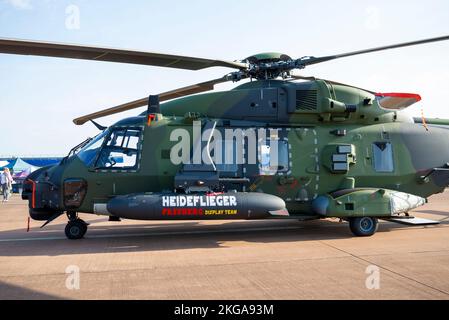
18, 166
19, 170
43, 161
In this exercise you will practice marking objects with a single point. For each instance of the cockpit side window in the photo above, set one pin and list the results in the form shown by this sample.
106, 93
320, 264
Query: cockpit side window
383, 157
121, 149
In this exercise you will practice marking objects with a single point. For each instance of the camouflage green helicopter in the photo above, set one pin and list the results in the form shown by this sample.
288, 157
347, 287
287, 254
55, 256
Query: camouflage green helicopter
279, 146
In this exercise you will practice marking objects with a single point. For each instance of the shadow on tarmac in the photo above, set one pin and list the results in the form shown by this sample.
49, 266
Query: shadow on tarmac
115, 238
13, 292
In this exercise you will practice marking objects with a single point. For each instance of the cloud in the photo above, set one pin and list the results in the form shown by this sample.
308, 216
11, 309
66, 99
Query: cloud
20, 4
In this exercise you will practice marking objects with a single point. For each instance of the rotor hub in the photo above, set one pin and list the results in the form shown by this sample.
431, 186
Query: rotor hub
269, 65
267, 57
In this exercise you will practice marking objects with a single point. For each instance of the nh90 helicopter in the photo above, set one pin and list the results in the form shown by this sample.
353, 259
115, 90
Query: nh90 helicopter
302, 150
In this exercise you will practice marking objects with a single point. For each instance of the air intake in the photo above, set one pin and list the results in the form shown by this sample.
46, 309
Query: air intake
306, 100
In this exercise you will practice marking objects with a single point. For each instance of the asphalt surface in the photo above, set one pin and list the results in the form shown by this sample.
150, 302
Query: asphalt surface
268, 259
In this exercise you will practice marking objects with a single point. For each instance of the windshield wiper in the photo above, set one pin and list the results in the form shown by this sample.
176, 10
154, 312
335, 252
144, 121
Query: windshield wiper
75, 149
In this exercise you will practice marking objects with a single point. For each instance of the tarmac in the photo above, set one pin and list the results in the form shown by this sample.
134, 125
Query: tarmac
267, 259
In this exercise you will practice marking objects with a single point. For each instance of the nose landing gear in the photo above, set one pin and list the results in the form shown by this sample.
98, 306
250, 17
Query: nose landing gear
75, 228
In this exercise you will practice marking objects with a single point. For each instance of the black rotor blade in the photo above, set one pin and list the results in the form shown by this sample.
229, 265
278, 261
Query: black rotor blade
168, 95
60, 50
314, 60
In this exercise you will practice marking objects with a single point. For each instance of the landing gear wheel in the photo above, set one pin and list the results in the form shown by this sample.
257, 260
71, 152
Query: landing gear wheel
363, 226
75, 229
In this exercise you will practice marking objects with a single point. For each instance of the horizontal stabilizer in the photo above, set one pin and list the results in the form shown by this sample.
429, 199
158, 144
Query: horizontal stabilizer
434, 121
397, 101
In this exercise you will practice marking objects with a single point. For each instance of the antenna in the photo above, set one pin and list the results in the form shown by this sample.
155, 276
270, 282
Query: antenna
153, 104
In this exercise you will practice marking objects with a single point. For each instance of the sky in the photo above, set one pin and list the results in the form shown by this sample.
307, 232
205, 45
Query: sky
39, 96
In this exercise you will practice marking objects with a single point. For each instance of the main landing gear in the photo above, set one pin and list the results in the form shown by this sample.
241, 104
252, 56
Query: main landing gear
363, 226
75, 228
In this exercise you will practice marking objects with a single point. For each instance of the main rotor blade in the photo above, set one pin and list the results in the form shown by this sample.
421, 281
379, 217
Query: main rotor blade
172, 94
60, 50
314, 60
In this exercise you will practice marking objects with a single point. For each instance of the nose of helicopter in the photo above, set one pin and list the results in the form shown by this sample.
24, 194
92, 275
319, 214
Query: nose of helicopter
42, 194
429, 152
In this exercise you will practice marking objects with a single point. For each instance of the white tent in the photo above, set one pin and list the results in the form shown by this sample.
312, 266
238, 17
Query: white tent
3, 163
20, 169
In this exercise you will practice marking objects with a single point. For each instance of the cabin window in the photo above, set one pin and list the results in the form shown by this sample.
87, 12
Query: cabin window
121, 150
271, 163
229, 154
383, 156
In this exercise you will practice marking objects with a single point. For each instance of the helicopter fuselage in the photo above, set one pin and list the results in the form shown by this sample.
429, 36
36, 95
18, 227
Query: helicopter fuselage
339, 154
267, 149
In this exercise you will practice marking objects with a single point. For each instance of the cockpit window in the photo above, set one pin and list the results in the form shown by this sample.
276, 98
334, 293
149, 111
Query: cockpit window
121, 149
383, 157
90, 151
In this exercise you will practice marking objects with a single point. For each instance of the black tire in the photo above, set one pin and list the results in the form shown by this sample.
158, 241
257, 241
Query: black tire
75, 229
363, 226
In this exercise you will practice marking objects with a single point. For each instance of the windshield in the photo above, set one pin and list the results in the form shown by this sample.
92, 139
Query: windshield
89, 152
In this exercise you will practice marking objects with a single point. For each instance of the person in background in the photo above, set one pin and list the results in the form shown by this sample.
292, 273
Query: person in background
6, 182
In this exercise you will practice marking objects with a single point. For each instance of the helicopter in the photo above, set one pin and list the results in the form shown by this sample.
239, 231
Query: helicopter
281, 146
